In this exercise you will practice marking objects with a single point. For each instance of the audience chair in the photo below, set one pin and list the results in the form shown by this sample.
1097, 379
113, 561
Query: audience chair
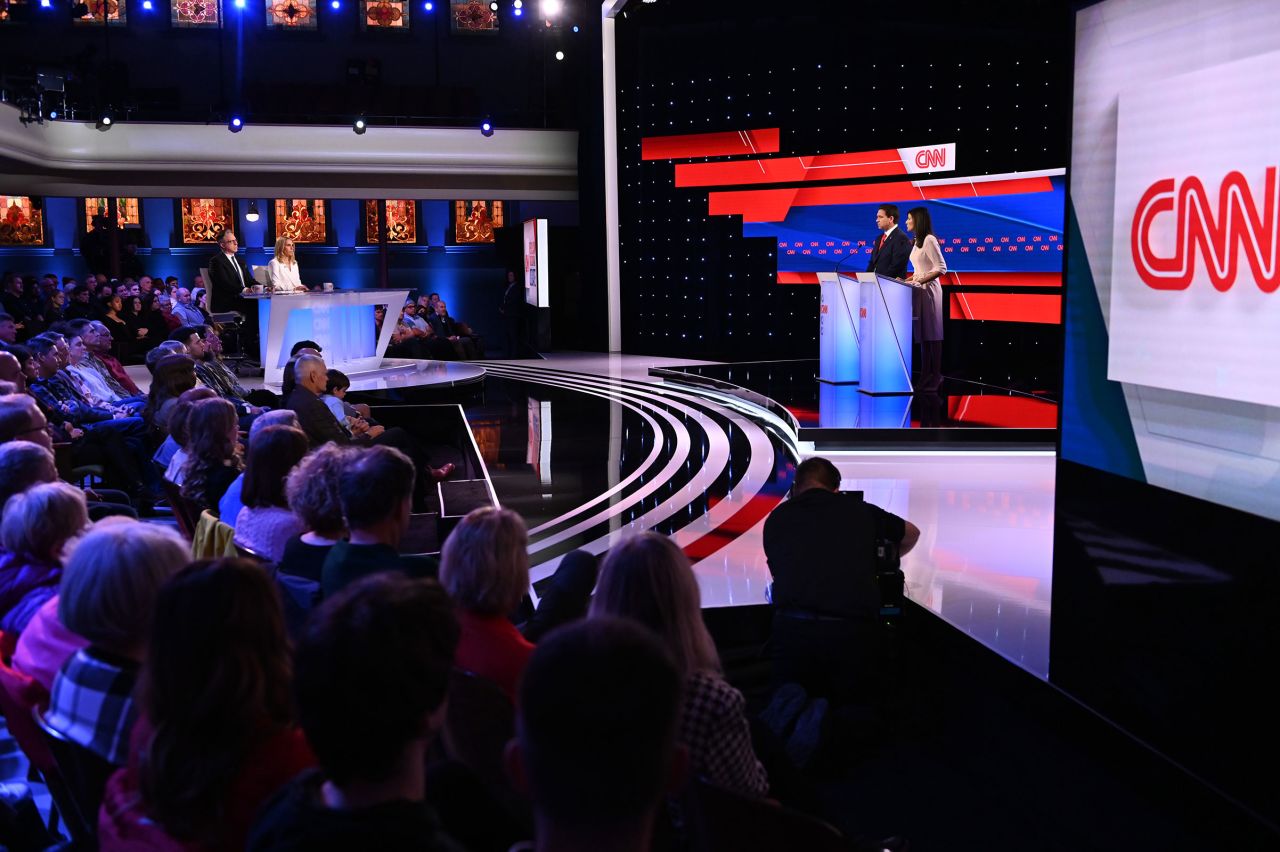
298, 596
185, 512
249, 553
81, 779
212, 539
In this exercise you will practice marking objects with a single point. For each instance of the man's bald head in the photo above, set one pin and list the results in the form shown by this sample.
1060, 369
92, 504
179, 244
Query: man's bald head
310, 372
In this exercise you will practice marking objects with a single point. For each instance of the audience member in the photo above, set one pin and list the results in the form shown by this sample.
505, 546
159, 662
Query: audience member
215, 737
174, 375
376, 491
37, 525
163, 348
8, 329
184, 310
123, 338
213, 460
230, 505
313, 493
91, 371
649, 579
82, 306
370, 679
107, 596
101, 359
89, 383
25, 463
172, 454
596, 737
213, 374
485, 569
265, 523
335, 398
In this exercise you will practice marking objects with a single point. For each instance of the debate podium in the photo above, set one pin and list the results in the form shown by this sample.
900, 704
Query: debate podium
864, 331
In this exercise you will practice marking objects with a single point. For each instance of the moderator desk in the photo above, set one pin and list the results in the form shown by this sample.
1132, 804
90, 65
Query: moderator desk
341, 322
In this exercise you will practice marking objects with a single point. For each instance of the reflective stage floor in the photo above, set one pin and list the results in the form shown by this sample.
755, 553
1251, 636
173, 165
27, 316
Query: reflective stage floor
589, 448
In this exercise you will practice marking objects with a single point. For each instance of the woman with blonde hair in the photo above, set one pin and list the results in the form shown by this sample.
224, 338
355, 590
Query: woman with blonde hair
282, 270
485, 569
649, 579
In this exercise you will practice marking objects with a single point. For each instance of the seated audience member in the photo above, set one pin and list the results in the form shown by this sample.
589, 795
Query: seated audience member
458, 335
289, 380
212, 373
163, 349
174, 375
25, 463
184, 309
821, 549
485, 569
150, 317
55, 390
215, 736
82, 306
8, 329
111, 315
648, 578
100, 358
230, 505
322, 427
108, 595
335, 397
313, 493
596, 744
265, 523
173, 452
91, 372
36, 527
90, 384
213, 459
370, 678
376, 491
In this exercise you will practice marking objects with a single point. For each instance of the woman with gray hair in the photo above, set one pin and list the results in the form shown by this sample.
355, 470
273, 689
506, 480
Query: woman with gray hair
37, 525
312, 493
650, 580
108, 594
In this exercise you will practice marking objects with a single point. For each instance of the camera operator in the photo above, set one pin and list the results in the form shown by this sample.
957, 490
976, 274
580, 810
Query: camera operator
821, 546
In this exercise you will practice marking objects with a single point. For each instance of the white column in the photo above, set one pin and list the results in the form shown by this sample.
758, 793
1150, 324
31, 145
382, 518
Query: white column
613, 276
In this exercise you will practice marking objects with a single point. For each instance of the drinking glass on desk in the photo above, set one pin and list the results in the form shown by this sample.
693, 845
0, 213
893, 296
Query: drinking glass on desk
328, 286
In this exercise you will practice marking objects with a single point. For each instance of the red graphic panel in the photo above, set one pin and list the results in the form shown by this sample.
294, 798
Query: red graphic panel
792, 169
1005, 412
1005, 279
772, 205
1006, 307
730, 144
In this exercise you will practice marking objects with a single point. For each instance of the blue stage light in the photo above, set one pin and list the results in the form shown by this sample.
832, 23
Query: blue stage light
45, 4
239, 4
518, 12
236, 124
337, 4
486, 129
428, 6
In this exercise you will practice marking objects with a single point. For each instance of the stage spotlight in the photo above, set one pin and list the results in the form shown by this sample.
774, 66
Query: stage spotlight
575, 28
428, 6
147, 6
517, 4
252, 215
45, 4
336, 4
53, 114
105, 121
236, 124
358, 126
486, 128
493, 7
518, 12
240, 4
551, 8
559, 55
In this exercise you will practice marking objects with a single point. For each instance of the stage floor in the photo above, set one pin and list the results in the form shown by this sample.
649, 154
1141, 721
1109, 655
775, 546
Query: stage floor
590, 448
841, 417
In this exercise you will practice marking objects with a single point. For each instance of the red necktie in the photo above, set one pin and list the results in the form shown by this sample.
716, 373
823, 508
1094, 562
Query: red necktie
883, 237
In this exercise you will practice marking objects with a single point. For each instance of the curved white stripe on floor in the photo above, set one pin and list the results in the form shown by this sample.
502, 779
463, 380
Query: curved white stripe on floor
759, 465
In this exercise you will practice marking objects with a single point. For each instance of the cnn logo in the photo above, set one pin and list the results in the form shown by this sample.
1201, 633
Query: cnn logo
931, 158
1218, 235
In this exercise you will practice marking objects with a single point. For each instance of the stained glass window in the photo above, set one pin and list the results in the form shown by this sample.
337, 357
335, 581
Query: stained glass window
384, 15
203, 218
474, 221
195, 14
402, 226
21, 221
301, 220
127, 211
291, 14
113, 9
472, 16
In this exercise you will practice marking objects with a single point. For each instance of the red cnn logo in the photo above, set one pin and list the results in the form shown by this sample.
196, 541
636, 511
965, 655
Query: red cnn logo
931, 158
1219, 238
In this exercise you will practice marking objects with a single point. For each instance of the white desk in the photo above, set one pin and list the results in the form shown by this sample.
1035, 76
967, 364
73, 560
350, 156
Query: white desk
341, 322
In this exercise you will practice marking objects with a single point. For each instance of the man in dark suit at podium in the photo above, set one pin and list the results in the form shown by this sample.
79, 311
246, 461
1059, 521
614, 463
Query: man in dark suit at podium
228, 280
892, 250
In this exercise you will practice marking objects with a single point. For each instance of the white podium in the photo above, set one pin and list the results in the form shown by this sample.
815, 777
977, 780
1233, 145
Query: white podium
341, 322
838, 334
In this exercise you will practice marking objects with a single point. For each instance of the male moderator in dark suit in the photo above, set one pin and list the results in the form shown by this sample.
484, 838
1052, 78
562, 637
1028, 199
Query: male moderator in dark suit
228, 280
892, 250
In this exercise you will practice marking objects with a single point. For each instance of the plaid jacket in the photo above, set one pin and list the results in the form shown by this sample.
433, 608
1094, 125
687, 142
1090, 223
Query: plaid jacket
92, 703
714, 726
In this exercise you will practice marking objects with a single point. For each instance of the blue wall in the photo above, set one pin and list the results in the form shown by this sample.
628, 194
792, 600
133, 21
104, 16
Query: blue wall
470, 278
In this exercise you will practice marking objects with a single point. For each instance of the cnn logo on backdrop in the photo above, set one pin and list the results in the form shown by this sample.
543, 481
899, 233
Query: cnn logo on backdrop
929, 158
1209, 232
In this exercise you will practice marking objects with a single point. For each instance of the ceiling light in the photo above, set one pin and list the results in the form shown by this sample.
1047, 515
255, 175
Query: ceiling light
105, 121
252, 215
486, 128
559, 55
236, 124
359, 126
551, 8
